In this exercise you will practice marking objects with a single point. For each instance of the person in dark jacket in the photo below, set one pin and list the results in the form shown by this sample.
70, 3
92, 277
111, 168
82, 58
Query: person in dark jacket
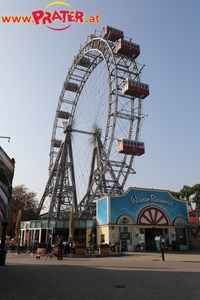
60, 248
48, 250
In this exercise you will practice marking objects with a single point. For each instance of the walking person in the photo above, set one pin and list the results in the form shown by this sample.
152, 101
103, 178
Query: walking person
48, 250
60, 248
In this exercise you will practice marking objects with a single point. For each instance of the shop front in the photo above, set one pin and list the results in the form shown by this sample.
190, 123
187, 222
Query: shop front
143, 214
40, 231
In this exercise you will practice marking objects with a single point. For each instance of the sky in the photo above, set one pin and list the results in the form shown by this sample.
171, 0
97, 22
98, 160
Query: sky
34, 62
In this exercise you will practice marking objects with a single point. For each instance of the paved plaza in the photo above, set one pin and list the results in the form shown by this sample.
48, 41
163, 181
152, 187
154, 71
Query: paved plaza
137, 275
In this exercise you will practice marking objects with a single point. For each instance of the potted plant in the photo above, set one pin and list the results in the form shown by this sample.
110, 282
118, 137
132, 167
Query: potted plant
80, 248
103, 248
138, 248
41, 249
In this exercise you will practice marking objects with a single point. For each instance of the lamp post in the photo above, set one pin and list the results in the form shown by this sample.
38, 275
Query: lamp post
93, 236
18, 245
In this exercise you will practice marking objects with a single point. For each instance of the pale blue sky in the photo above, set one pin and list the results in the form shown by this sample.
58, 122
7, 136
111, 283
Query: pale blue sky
34, 62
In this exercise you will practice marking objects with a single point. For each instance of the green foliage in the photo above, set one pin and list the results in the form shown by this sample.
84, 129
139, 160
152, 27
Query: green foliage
186, 192
196, 194
175, 194
189, 193
24, 200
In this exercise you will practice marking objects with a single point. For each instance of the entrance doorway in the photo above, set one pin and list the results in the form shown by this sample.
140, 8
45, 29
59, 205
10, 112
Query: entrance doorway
150, 234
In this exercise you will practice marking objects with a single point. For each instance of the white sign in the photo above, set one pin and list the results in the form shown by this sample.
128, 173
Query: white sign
151, 199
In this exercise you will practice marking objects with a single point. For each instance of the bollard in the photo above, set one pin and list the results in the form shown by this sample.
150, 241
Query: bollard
162, 251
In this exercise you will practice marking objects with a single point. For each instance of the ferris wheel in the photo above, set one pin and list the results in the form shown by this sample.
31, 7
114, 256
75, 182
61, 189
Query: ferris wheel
96, 129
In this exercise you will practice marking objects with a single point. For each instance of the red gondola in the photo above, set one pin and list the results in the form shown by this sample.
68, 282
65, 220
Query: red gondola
130, 147
135, 88
127, 48
112, 33
84, 61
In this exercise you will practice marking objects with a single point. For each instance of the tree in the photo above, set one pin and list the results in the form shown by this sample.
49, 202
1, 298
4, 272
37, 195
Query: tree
196, 194
186, 192
189, 193
175, 194
25, 200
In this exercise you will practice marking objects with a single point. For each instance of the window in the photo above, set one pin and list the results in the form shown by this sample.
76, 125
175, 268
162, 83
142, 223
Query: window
181, 236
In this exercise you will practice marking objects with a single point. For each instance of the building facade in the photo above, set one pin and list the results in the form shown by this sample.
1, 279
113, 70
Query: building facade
139, 215
136, 217
40, 231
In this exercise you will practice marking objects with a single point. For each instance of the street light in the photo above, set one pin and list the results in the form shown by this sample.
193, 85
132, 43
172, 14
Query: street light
93, 236
18, 245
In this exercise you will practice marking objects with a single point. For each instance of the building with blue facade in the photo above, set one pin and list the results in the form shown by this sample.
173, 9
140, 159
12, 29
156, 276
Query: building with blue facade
139, 216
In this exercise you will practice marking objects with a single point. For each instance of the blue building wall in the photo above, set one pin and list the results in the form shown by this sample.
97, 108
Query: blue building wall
102, 211
135, 200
